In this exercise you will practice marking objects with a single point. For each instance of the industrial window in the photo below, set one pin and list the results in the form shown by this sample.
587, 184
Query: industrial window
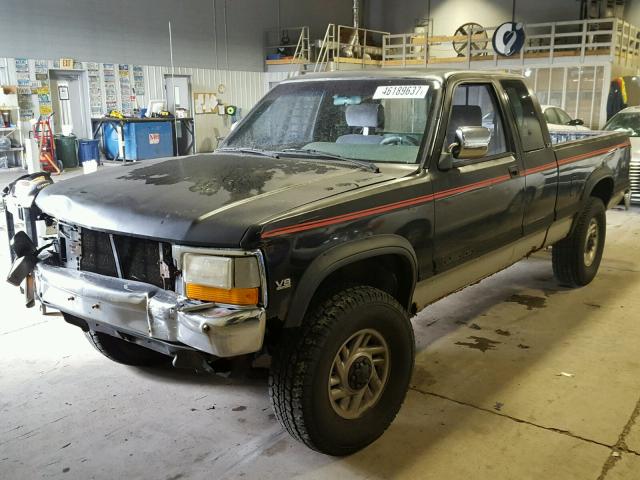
525, 115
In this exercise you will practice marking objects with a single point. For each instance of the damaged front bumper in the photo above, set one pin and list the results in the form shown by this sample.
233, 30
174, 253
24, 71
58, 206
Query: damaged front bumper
150, 312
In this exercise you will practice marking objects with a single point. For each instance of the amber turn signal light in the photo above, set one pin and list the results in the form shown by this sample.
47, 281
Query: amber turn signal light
234, 296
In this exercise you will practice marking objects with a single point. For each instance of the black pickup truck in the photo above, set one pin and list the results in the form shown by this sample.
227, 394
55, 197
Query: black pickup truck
340, 206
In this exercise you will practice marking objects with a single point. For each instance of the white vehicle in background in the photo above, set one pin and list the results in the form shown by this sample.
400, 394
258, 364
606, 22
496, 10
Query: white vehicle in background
628, 121
560, 121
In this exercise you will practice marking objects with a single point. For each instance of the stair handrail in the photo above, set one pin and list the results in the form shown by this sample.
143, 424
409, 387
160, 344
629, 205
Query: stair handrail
327, 42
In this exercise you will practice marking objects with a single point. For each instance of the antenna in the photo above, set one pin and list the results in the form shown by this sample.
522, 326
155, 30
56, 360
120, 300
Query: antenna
173, 85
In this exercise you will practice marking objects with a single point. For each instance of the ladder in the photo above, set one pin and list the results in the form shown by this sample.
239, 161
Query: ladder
326, 49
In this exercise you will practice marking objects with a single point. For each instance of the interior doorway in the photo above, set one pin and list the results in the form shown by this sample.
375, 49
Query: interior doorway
70, 100
178, 89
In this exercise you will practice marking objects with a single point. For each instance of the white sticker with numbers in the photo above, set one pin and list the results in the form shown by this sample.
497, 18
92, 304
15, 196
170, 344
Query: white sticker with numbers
401, 91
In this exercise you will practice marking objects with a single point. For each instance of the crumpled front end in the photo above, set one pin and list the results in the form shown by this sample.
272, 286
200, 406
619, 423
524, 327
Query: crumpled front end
143, 310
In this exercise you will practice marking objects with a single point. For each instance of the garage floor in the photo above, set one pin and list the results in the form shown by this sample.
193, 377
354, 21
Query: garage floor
515, 378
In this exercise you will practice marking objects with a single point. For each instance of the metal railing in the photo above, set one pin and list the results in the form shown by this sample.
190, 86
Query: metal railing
323, 55
544, 42
301, 48
344, 44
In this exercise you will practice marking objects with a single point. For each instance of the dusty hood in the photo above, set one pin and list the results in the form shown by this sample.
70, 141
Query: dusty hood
209, 199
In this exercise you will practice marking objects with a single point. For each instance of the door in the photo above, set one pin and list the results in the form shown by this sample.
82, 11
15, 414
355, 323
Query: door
540, 167
70, 100
479, 204
178, 90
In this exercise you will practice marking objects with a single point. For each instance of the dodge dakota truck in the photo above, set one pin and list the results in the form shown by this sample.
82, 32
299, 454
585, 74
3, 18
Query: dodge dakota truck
341, 205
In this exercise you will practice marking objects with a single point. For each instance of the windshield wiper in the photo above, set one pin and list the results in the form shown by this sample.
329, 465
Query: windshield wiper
255, 151
319, 153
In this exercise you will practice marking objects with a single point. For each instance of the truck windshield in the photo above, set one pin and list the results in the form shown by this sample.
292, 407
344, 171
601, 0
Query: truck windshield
625, 122
381, 120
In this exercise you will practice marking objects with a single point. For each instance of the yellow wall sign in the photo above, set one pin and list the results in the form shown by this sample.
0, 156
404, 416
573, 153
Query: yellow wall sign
66, 63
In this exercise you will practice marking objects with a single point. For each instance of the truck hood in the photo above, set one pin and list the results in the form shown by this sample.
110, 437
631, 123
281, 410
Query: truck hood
207, 199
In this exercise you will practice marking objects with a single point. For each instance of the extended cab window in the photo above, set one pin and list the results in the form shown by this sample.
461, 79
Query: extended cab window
475, 105
381, 120
524, 113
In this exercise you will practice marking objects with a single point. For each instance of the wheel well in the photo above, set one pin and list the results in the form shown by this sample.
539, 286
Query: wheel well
390, 273
603, 190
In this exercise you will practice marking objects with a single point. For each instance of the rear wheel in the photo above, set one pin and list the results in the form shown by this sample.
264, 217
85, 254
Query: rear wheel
576, 259
338, 381
124, 352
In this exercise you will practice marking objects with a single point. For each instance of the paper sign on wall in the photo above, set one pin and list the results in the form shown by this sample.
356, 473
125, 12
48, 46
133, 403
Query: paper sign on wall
66, 63
205, 103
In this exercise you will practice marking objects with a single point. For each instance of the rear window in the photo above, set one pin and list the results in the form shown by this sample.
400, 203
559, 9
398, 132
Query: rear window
524, 112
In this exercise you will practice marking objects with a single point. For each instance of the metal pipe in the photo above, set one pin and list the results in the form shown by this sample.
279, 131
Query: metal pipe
351, 50
356, 14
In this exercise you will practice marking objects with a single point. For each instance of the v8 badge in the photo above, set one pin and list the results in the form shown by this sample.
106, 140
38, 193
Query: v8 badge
283, 284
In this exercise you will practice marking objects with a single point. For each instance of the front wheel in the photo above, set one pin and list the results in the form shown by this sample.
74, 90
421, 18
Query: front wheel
576, 259
124, 352
338, 381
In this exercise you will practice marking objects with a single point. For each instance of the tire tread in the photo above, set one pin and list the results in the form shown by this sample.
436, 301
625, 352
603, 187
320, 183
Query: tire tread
299, 347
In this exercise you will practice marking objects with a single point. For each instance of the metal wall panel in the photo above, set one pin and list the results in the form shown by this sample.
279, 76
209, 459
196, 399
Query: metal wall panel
242, 88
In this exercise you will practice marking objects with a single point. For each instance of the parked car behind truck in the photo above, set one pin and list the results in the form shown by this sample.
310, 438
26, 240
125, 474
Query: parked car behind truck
338, 208
628, 121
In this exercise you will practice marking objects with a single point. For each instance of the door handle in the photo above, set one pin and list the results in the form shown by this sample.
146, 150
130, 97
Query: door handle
513, 171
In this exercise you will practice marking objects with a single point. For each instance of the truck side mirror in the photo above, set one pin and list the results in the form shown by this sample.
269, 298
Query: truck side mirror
470, 143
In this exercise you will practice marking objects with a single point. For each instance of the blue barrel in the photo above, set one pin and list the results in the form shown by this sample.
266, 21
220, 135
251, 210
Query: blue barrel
88, 150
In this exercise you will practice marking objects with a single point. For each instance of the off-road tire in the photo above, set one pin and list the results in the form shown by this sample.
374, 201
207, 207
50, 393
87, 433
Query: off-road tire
303, 360
568, 255
124, 352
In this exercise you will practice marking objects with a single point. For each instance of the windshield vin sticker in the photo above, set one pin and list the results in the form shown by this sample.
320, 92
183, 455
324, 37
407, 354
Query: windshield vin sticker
401, 91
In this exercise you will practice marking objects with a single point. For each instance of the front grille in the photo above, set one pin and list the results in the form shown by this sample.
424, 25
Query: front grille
138, 259
634, 176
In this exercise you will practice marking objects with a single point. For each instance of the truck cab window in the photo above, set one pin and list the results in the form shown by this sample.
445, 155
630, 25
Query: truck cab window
475, 105
376, 120
525, 116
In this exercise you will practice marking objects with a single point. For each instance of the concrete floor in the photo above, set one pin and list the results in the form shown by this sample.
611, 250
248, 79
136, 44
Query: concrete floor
515, 378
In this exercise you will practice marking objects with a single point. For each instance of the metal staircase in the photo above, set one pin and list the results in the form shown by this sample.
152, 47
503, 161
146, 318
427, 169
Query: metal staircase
302, 53
326, 53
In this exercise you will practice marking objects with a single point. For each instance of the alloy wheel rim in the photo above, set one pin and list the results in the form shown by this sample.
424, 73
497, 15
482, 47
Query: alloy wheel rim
591, 244
358, 374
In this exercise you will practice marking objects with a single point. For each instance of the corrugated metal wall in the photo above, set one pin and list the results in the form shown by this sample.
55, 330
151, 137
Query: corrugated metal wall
241, 88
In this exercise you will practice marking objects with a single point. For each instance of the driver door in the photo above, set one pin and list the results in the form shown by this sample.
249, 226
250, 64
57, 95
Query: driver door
479, 203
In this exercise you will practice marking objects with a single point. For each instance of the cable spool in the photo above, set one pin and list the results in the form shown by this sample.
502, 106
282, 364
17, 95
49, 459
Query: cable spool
475, 30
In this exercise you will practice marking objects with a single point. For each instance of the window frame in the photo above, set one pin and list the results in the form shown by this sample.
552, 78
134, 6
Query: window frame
499, 108
542, 122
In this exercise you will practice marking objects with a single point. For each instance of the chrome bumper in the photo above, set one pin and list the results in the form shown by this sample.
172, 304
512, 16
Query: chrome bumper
151, 311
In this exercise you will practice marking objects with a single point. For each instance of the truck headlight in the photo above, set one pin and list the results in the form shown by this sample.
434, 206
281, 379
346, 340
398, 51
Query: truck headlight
231, 280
